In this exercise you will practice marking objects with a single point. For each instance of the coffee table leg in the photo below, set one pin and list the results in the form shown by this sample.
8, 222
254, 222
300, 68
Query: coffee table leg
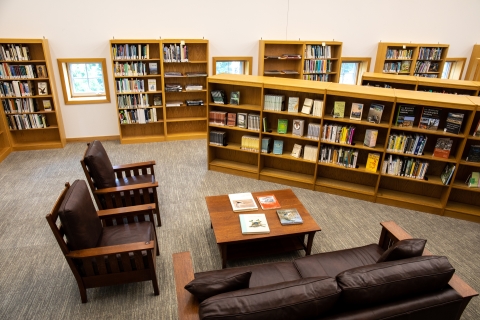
308, 250
223, 253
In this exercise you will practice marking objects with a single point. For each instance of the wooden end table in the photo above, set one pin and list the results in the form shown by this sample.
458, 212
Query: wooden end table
282, 238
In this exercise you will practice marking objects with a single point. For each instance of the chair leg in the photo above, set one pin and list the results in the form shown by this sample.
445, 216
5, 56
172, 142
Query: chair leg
159, 221
83, 293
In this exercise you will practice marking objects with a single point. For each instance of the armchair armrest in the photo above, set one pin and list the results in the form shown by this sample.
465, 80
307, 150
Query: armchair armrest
127, 188
134, 165
183, 273
103, 251
125, 211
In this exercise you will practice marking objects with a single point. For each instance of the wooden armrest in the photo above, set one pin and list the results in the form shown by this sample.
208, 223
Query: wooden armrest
183, 273
134, 165
125, 211
103, 251
395, 230
127, 188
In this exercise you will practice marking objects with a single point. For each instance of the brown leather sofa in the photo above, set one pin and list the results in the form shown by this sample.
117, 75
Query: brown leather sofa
394, 279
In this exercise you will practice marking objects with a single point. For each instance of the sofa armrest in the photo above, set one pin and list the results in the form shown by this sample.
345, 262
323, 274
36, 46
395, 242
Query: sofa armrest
183, 273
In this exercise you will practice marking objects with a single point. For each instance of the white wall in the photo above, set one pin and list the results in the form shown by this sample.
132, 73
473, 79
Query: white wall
77, 29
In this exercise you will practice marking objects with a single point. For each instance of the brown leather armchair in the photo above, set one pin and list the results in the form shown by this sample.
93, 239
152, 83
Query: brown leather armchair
107, 247
121, 185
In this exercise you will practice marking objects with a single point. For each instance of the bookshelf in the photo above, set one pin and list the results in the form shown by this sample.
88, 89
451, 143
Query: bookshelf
26, 123
424, 60
308, 60
185, 120
428, 195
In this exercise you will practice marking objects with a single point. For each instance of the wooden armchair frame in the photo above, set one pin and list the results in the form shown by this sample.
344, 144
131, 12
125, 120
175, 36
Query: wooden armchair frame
115, 197
111, 265
188, 305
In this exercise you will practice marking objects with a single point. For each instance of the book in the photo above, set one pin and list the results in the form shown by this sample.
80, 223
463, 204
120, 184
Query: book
442, 148
476, 133
293, 104
405, 116
375, 113
370, 138
307, 106
268, 202
157, 99
242, 120
317, 108
356, 112
231, 119
339, 109
372, 162
282, 125
289, 216
405, 67
153, 68
473, 180
430, 118
254, 223
219, 96
41, 71
297, 151
278, 147
266, 145
298, 127
454, 122
152, 85
242, 202
447, 173
47, 105
42, 89
474, 153
235, 97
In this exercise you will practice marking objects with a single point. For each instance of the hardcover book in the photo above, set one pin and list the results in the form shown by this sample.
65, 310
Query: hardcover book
278, 147
235, 97
339, 109
307, 106
219, 96
454, 122
447, 173
430, 119
372, 162
266, 145
370, 138
356, 112
405, 116
153, 68
242, 120
152, 85
254, 223
266, 126
375, 113
242, 202
473, 180
289, 216
297, 151
474, 153
231, 119
476, 133
46, 105
282, 125
293, 104
41, 71
317, 108
42, 89
157, 99
442, 148
298, 127
268, 202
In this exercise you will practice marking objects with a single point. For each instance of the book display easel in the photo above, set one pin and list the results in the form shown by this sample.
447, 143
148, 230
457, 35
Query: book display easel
424, 60
348, 161
415, 83
31, 117
308, 60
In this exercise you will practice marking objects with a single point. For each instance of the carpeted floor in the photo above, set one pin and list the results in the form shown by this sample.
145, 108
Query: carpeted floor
36, 282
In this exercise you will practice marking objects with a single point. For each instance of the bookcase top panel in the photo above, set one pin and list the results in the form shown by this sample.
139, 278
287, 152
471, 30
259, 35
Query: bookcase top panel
448, 83
375, 76
5, 40
386, 94
433, 99
475, 100
245, 80
186, 40
295, 84
133, 41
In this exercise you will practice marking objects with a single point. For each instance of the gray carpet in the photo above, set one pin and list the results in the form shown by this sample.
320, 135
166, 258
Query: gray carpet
36, 282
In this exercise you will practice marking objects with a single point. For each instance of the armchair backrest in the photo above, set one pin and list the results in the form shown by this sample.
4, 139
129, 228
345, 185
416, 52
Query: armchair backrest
97, 166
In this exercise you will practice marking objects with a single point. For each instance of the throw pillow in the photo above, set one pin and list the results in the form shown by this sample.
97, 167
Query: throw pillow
205, 287
403, 249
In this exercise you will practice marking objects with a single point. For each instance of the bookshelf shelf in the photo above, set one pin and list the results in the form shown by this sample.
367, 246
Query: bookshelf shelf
345, 186
411, 198
286, 175
234, 165
26, 130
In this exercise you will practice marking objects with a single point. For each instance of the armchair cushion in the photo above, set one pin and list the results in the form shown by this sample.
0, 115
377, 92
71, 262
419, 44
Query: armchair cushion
126, 233
79, 218
99, 165
386, 281
128, 181
403, 249
213, 284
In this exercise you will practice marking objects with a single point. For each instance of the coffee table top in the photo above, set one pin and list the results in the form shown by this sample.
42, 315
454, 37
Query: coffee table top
226, 223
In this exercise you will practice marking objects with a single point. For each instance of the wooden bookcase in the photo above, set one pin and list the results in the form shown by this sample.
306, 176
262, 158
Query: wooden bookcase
187, 122
306, 67
428, 195
388, 80
131, 131
395, 57
473, 69
49, 137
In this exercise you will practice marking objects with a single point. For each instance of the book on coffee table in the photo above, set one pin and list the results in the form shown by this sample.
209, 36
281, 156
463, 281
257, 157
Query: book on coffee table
268, 202
242, 202
289, 216
254, 223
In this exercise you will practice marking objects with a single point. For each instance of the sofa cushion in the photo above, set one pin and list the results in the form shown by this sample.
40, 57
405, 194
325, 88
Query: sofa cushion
386, 281
213, 284
332, 263
99, 165
403, 249
79, 218
303, 298
262, 274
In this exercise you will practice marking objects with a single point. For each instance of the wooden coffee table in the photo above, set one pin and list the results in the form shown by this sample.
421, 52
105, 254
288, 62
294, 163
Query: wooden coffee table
235, 245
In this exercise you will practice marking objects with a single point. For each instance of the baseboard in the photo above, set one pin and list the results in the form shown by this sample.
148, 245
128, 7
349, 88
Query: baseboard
90, 139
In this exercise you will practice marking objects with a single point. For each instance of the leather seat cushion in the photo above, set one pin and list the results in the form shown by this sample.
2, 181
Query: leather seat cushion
404, 249
128, 181
79, 218
332, 263
262, 274
126, 233
297, 299
99, 165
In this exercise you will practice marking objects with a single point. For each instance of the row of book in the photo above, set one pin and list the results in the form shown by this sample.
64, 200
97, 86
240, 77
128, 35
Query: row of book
250, 143
426, 75
16, 89
14, 52
135, 85
318, 66
405, 167
397, 67
426, 66
338, 133
173, 87
429, 119
399, 54
318, 52
135, 69
178, 103
430, 53
19, 105
176, 74
130, 101
175, 53
270, 72
317, 77
27, 121
138, 116
346, 157
25, 71
409, 144
218, 138
130, 51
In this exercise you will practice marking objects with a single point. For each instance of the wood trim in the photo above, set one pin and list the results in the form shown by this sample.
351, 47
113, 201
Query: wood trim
473, 63
247, 60
363, 67
90, 139
183, 274
458, 72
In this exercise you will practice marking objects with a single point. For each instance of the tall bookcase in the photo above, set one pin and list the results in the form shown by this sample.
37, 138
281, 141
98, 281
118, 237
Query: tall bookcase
308, 60
26, 123
425, 60
428, 195
184, 121
473, 69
